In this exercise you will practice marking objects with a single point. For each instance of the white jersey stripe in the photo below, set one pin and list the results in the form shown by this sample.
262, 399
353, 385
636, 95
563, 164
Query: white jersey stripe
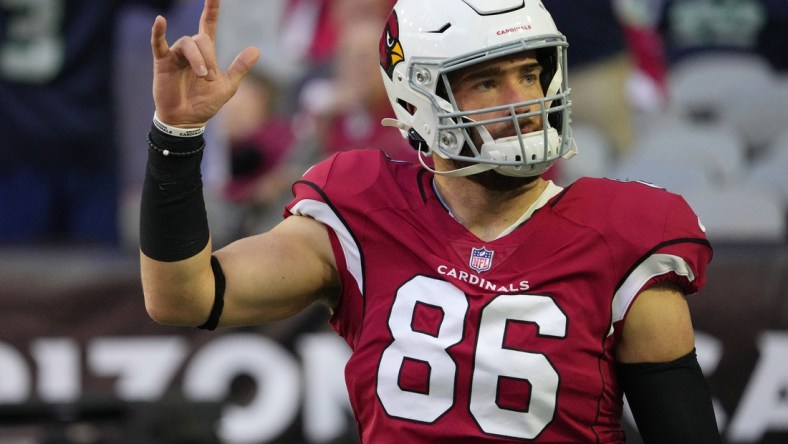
654, 265
323, 213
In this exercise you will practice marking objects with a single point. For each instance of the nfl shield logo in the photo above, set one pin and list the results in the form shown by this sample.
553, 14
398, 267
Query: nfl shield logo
481, 259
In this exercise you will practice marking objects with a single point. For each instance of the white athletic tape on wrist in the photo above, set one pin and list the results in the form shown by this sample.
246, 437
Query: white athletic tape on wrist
177, 132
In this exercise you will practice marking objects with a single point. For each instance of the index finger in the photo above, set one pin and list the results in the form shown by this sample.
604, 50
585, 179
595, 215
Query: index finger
209, 18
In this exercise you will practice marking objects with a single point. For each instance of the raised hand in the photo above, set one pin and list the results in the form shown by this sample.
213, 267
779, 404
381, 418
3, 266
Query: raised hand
188, 86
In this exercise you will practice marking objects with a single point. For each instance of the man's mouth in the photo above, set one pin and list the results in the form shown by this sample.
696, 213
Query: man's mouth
525, 128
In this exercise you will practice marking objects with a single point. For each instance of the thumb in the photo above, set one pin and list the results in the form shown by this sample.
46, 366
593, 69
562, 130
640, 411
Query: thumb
243, 62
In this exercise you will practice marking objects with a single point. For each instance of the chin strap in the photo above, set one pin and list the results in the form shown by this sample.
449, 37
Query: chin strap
552, 90
464, 171
554, 86
459, 172
395, 123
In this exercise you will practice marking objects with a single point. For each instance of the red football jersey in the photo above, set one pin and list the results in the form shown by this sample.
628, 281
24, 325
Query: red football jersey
456, 339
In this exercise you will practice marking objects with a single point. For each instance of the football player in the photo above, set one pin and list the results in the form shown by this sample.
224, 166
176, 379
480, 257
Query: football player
482, 303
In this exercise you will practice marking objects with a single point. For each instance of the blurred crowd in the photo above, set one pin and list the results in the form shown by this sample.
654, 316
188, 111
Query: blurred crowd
75, 103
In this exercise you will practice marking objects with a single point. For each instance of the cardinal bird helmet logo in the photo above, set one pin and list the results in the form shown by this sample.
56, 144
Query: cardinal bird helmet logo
390, 48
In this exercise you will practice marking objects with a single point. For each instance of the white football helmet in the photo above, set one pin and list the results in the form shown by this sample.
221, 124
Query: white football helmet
425, 40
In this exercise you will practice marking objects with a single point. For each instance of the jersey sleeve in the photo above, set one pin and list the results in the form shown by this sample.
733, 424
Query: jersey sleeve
338, 192
311, 199
664, 242
650, 234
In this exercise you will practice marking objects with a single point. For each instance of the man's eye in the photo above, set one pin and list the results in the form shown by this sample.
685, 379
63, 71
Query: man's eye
485, 85
530, 78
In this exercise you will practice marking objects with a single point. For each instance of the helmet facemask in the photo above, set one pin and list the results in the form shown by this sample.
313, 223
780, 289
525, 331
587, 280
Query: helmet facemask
464, 135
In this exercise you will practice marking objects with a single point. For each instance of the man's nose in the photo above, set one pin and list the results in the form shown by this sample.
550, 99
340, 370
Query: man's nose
517, 93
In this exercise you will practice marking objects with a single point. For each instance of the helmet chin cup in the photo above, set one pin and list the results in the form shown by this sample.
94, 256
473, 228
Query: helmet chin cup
525, 155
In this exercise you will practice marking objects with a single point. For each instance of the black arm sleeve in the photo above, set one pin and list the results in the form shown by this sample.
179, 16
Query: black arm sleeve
670, 401
173, 221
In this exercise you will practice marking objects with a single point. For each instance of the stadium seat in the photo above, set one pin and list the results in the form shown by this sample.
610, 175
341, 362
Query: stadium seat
759, 111
698, 85
680, 155
770, 170
595, 155
739, 214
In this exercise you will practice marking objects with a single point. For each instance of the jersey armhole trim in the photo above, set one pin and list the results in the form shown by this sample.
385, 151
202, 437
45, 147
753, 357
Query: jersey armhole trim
650, 266
325, 212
